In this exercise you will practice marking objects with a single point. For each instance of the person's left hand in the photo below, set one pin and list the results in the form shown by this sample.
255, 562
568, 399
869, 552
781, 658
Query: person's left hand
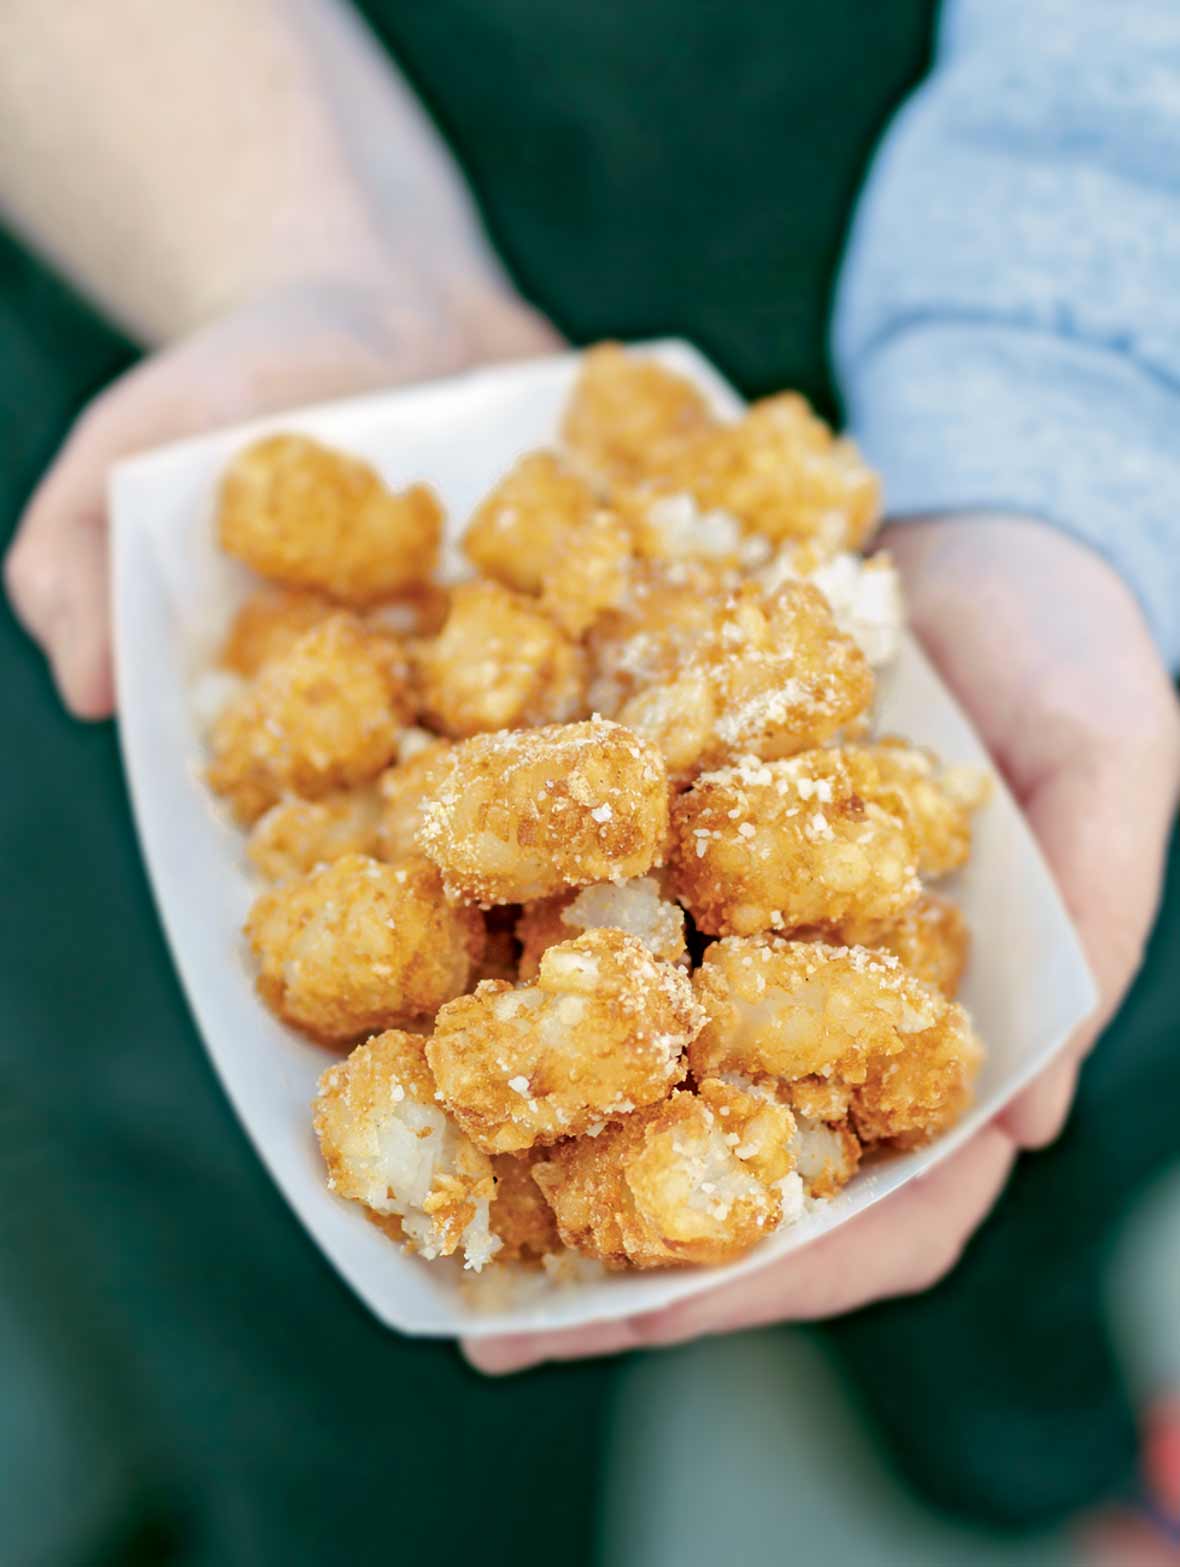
1047, 650
302, 343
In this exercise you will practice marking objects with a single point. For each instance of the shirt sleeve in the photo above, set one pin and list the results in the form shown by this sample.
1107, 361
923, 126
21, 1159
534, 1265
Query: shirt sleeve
1007, 327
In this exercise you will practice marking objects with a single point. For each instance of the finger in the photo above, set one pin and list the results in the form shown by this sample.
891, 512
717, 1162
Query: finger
82, 662
516, 1352
1103, 820
1037, 1117
902, 1245
56, 576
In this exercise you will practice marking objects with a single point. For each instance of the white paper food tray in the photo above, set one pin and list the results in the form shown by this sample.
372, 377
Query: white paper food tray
1027, 986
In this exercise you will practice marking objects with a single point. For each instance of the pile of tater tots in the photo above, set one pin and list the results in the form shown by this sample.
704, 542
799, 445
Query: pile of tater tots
591, 866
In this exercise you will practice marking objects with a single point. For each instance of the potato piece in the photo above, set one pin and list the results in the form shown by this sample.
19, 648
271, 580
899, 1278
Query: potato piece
590, 575
931, 940
651, 630
637, 907
325, 716
404, 791
268, 625
783, 474
296, 835
700, 1178
523, 526
522, 815
521, 1218
388, 1146
792, 1010
602, 1029
358, 946
771, 676
310, 517
935, 803
498, 663
786, 846
626, 411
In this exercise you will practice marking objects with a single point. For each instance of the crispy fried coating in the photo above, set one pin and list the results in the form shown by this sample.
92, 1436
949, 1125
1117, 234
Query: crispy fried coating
699, 1178
864, 595
296, 835
521, 529
268, 625
795, 1009
668, 524
637, 907
788, 845
782, 473
602, 1029
521, 1217
388, 1146
325, 716
667, 609
935, 803
498, 663
358, 946
525, 814
417, 611
272, 620
771, 676
306, 516
826, 1155
626, 411
931, 940
404, 790
590, 575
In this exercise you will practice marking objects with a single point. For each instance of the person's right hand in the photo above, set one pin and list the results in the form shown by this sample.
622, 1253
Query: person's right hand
303, 344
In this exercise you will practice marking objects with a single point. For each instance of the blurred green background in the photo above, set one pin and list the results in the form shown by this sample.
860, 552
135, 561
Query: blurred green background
184, 1380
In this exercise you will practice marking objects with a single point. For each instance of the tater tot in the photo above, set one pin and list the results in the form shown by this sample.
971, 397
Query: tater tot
931, 940
788, 845
521, 529
602, 1030
310, 517
403, 791
667, 610
782, 473
700, 1178
771, 676
935, 803
626, 411
789, 1010
668, 524
325, 716
388, 1146
826, 1155
358, 946
864, 595
525, 814
497, 663
269, 624
296, 835
637, 907
521, 1218
590, 575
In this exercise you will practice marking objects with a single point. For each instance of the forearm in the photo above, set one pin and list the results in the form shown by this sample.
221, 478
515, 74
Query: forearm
176, 159
1007, 329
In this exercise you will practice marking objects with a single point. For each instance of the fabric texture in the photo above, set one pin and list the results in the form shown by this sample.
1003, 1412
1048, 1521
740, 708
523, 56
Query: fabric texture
1008, 330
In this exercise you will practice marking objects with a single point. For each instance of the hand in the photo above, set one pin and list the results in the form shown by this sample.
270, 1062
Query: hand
298, 345
1047, 651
